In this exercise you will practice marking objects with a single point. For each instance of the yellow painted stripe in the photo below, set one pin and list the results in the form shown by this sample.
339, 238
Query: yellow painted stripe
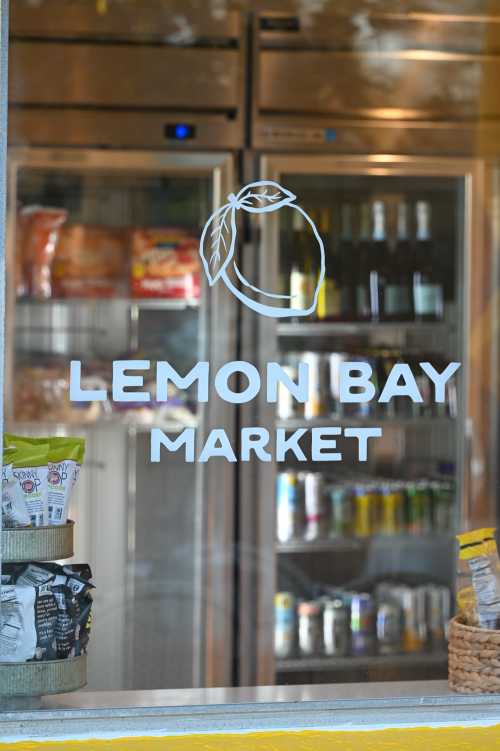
407, 739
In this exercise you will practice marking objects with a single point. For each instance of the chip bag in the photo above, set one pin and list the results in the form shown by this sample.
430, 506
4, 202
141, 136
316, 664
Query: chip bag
65, 460
14, 511
30, 472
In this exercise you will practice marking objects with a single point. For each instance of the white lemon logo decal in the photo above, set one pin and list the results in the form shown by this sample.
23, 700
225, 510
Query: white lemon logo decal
218, 242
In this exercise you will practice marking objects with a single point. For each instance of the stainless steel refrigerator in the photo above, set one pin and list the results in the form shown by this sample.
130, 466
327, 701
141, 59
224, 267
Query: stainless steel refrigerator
328, 126
129, 120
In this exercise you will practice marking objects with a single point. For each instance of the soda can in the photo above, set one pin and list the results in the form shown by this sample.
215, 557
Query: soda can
289, 517
392, 509
363, 512
286, 405
442, 505
341, 510
364, 409
310, 629
389, 628
419, 508
335, 360
284, 625
438, 614
314, 500
315, 404
335, 629
362, 624
413, 604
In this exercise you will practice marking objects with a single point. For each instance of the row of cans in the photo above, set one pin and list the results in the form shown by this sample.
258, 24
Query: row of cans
395, 619
324, 388
308, 507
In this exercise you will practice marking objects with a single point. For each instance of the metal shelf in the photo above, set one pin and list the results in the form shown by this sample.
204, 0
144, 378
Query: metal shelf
167, 427
353, 544
323, 422
151, 303
341, 328
323, 664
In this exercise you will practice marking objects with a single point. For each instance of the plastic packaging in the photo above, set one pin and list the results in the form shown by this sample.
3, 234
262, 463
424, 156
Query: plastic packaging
165, 263
17, 629
40, 228
90, 262
14, 512
30, 472
64, 462
58, 625
485, 575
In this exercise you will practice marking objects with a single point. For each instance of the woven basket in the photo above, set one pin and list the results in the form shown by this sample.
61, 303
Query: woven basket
473, 659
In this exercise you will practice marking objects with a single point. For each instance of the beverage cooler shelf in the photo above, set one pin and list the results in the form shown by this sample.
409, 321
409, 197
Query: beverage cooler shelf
325, 422
139, 427
141, 303
353, 544
348, 328
401, 661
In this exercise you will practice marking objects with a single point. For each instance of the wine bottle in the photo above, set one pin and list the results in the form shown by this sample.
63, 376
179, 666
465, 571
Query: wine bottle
398, 272
347, 261
301, 282
329, 298
360, 270
427, 287
372, 257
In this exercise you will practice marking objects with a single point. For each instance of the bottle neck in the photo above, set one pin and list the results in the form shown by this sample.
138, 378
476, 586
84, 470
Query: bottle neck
346, 223
402, 229
364, 223
423, 221
378, 222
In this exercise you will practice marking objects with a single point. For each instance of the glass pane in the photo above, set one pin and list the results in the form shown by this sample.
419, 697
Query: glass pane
365, 549
107, 269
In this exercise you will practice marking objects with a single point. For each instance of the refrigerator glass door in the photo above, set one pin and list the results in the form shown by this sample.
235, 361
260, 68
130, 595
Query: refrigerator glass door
104, 254
363, 547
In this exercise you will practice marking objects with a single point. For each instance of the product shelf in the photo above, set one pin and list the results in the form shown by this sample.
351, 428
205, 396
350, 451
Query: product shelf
353, 544
350, 328
324, 664
296, 423
23, 544
36, 678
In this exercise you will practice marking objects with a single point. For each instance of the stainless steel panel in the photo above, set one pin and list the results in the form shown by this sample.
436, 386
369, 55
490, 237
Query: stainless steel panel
149, 76
344, 136
371, 27
407, 84
39, 126
175, 21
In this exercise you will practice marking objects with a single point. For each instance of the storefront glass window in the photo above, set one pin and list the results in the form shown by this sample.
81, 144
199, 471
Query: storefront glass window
250, 339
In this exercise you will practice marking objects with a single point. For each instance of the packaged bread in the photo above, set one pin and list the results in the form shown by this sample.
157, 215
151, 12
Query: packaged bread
39, 231
165, 263
90, 261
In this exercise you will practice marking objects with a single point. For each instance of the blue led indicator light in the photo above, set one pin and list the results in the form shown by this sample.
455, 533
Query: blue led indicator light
330, 135
181, 131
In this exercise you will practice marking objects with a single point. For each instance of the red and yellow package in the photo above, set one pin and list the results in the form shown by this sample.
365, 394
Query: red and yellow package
165, 263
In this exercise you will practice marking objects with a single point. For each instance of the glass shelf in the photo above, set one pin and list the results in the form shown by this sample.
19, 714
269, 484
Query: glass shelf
323, 422
317, 664
353, 544
348, 328
151, 303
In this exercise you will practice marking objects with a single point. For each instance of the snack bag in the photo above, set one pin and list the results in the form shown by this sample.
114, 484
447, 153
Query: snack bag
30, 472
14, 511
65, 460
17, 628
485, 577
40, 230
165, 263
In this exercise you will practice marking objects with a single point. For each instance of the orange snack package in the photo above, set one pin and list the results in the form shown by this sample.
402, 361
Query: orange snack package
165, 263
40, 227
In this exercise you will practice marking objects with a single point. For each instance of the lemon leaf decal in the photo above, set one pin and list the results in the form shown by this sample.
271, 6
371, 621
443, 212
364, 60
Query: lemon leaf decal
262, 196
218, 241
